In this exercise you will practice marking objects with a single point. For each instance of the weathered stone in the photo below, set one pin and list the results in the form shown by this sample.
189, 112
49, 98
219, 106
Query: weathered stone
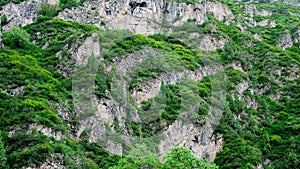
154, 18
46, 131
212, 43
23, 13
201, 140
285, 41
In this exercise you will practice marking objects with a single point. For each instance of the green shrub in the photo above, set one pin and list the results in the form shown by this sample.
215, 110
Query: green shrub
68, 4
17, 38
181, 157
103, 22
47, 11
4, 2
4, 20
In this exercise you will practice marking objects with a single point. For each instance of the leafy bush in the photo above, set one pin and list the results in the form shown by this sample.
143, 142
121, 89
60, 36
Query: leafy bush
181, 157
68, 3
17, 38
47, 11
3, 158
4, 20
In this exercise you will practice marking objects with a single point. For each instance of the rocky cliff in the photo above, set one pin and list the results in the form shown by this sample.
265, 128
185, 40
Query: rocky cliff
153, 18
85, 83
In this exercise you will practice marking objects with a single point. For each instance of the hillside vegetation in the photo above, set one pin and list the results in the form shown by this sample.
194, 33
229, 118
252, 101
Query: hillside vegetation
260, 124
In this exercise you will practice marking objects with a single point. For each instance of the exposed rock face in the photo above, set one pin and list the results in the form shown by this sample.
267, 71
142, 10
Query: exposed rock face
23, 13
256, 36
285, 41
212, 43
251, 102
127, 64
267, 22
52, 2
89, 47
15, 91
241, 87
155, 17
46, 131
144, 20
80, 51
150, 88
219, 10
252, 10
297, 37
237, 66
296, 3
52, 162
200, 140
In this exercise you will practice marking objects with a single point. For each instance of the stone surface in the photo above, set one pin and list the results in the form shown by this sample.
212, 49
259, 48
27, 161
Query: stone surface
201, 140
212, 43
80, 50
89, 47
155, 18
285, 41
267, 22
252, 10
46, 131
150, 88
54, 161
23, 13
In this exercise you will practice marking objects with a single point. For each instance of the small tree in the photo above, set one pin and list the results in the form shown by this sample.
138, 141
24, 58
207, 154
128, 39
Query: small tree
181, 157
138, 157
3, 159
17, 38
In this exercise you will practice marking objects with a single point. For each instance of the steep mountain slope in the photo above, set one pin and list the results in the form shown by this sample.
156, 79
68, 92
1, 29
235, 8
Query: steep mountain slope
118, 84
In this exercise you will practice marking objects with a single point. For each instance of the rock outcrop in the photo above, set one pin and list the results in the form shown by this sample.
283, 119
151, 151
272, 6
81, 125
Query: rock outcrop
54, 161
201, 140
145, 92
23, 13
212, 43
80, 51
252, 10
285, 41
155, 17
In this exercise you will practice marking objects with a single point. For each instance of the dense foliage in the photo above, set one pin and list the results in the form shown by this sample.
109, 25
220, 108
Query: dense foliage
260, 126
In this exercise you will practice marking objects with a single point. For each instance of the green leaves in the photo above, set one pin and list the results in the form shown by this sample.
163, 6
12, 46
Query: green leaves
17, 38
138, 157
181, 157
3, 158
47, 12
177, 158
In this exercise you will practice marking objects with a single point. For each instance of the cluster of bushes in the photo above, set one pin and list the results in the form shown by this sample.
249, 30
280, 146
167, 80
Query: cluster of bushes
57, 33
253, 135
27, 88
173, 99
262, 133
177, 158
30, 90
48, 11
138, 42
17, 38
34, 149
4, 2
